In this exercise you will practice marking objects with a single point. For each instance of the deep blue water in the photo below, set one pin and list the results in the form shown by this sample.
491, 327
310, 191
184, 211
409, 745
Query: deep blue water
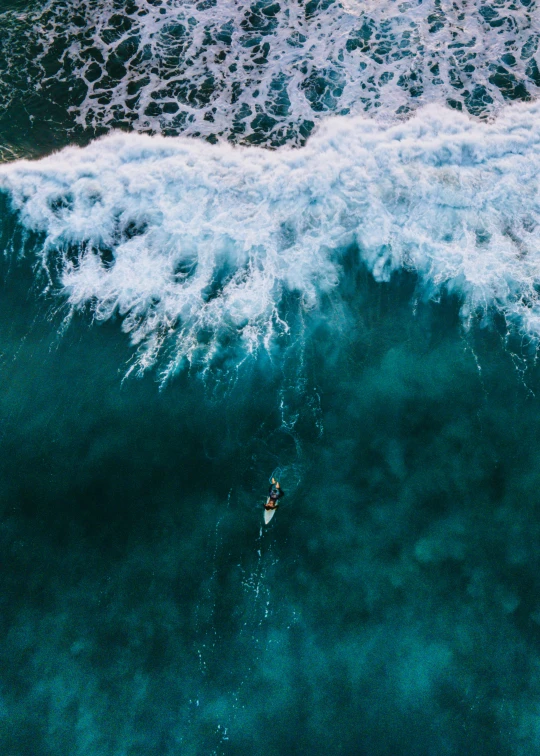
302, 267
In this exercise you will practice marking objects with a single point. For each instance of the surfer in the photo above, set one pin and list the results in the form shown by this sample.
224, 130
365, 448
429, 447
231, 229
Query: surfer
274, 494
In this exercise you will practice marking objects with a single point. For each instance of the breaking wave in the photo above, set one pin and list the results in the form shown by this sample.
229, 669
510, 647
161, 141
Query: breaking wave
198, 246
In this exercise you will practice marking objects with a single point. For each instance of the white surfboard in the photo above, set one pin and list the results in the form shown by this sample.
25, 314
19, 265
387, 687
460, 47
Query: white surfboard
268, 514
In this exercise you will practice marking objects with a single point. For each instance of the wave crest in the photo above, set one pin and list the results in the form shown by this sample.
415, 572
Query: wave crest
196, 246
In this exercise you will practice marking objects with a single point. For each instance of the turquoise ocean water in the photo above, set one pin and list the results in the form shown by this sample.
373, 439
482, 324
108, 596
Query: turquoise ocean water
240, 240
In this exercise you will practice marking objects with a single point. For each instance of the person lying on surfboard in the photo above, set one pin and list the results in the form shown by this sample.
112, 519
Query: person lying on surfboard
274, 493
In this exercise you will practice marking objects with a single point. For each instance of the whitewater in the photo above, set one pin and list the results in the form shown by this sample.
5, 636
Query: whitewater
264, 72
194, 244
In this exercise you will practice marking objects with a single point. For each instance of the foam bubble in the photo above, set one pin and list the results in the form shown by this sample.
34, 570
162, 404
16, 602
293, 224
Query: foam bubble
195, 245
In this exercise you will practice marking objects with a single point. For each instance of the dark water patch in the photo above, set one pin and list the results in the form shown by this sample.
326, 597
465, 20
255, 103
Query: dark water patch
142, 609
22, 5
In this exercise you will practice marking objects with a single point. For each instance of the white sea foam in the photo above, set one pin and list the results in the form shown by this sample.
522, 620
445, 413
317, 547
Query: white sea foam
265, 71
192, 243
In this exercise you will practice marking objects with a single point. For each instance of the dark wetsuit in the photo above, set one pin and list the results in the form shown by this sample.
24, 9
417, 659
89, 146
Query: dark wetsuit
274, 493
